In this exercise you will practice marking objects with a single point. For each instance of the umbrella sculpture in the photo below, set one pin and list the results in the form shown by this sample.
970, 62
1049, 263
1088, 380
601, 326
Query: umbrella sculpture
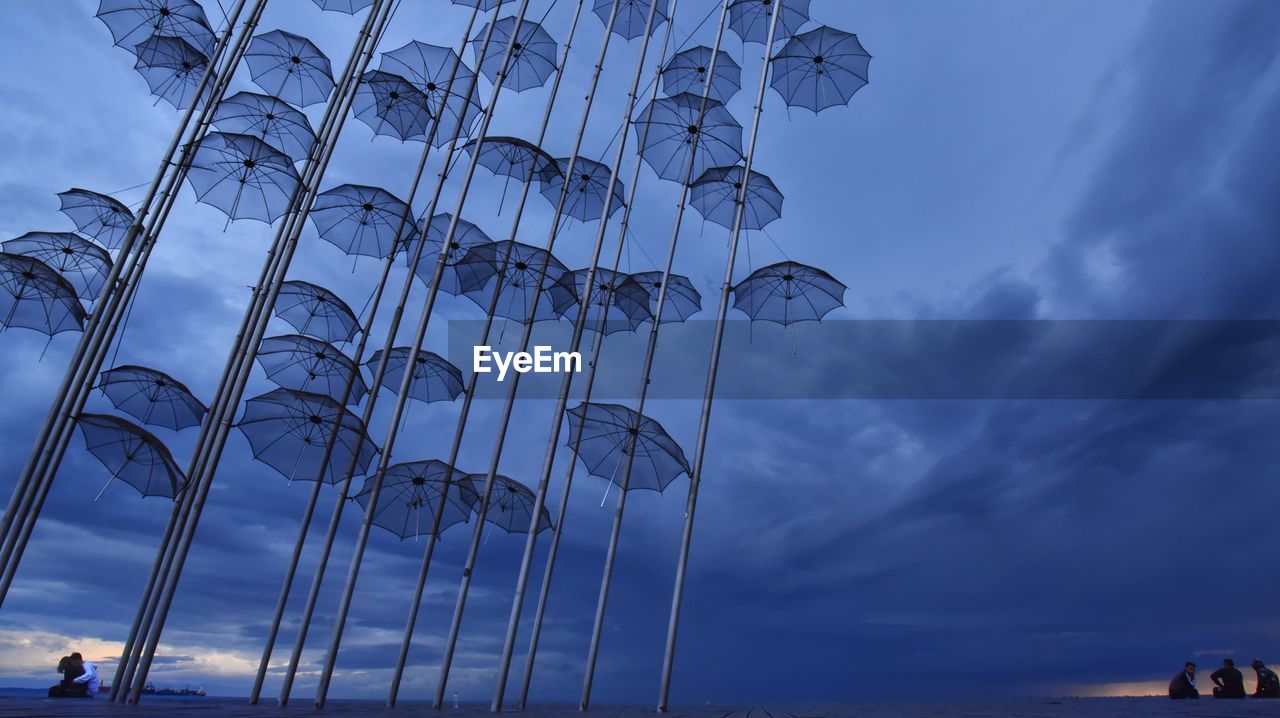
361, 220
36, 297
84, 264
172, 69
788, 292
132, 455
750, 18
151, 396
429, 68
349, 7
270, 119
715, 195
97, 215
513, 157
243, 176
316, 311
667, 128
819, 69
510, 504
688, 71
603, 435
294, 361
533, 53
411, 491
585, 200
290, 67
682, 300
434, 378
289, 429
465, 236
133, 21
391, 106
514, 270
631, 15
616, 299
482, 5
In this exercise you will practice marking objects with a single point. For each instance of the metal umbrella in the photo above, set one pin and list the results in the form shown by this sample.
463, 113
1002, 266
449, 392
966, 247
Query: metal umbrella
243, 176
616, 300
290, 67
510, 504
151, 396
84, 264
602, 435
133, 21
411, 493
391, 106
35, 297
97, 215
315, 311
172, 68
268, 118
681, 302
788, 292
821, 68
294, 361
750, 19
434, 378
631, 17
513, 157
132, 455
532, 57
715, 195
465, 236
667, 128
288, 429
429, 68
585, 200
361, 220
529, 272
687, 72
348, 7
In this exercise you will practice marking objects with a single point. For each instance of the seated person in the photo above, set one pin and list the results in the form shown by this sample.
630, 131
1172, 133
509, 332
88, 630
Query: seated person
1183, 685
1227, 681
68, 687
1268, 683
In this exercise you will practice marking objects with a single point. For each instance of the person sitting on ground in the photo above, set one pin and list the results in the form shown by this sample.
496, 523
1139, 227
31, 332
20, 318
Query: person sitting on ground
1268, 683
1183, 685
1227, 681
89, 678
68, 688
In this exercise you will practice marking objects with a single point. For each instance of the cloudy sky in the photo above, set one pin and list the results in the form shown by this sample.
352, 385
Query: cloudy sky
1009, 160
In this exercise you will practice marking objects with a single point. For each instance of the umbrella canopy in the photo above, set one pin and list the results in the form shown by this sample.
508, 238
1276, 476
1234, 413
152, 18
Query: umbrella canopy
294, 361
412, 493
132, 455
715, 195
133, 21
290, 67
588, 184
434, 378
151, 396
519, 273
788, 292
682, 300
750, 19
34, 296
349, 7
615, 299
390, 105
84, 264
97, 215
510, 505
361, 220
603, 435
688, 72
482, 5
289, 429
821, 68
513, 157
172, 68
631, 15
670, 128
429, 67
270, 119
465, 236
316, 311
243, 176
533, 53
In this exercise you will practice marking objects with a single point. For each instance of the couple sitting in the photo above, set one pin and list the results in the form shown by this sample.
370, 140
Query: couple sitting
79, 678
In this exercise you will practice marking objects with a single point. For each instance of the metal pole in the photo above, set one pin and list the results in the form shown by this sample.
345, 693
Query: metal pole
705, 422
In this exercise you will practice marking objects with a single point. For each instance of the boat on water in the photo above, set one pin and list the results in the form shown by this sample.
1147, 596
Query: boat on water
149, 689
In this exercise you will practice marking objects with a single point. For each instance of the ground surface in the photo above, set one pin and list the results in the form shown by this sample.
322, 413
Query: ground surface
1032, 708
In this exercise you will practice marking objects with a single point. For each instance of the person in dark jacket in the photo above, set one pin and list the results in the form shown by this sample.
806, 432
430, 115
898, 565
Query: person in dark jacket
1227, 681
1183, 685
1268, 683
69, 688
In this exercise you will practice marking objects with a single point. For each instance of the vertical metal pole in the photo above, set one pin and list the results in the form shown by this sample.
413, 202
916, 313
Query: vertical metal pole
704, 423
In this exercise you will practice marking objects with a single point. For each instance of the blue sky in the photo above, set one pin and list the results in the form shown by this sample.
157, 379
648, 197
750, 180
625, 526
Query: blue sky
1082, 160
